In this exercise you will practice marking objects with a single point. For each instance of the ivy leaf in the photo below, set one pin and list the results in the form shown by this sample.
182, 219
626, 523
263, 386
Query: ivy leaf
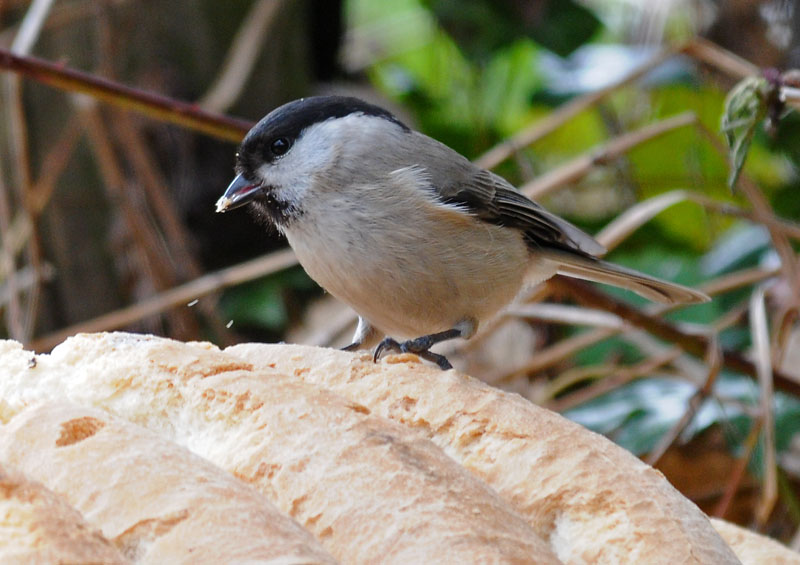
745, 107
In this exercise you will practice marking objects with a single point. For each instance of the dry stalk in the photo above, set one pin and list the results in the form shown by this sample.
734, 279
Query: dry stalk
563, 114
178, 296
242, 56
609, 151
20, 318
696, 345
161, 205
759, 330
713, 361
621, 377
738, 471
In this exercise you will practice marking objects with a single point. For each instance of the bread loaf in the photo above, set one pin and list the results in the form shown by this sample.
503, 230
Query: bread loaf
372, 459
371, 490
37, 527
155, 500
593, 501
754, 549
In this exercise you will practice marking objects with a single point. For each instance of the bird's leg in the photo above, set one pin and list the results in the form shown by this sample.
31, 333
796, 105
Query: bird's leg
421, 345
365, 335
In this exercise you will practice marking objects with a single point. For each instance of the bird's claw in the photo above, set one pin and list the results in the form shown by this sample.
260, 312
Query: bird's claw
419, 346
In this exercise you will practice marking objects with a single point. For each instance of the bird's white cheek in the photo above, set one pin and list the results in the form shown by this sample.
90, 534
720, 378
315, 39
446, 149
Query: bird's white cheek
285, 184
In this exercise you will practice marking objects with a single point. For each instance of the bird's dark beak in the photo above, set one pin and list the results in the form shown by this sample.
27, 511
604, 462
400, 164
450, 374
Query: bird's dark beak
239, 192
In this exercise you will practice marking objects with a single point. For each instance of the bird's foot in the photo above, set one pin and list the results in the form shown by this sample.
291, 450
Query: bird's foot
419, 346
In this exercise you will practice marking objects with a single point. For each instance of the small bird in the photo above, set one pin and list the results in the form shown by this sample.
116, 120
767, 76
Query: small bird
419, 241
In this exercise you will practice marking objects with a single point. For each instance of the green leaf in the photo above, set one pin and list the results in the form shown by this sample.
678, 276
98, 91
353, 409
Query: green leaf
745, 108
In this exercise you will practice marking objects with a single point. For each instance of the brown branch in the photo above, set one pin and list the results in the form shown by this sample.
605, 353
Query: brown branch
696, 345
554, 354
763, 213
738, 471
152, 105
111, 169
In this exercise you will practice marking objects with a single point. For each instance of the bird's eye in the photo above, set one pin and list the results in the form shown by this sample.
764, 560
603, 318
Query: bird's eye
280, 146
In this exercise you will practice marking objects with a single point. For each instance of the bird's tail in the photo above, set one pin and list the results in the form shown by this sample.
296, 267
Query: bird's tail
597, 270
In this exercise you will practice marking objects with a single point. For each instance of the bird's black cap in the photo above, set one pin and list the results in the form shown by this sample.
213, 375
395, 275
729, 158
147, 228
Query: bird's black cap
289, 121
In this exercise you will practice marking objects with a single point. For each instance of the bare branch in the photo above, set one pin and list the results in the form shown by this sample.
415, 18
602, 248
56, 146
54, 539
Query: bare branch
155, 106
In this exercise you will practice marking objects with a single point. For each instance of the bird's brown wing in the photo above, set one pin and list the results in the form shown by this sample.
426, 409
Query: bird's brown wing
492, 199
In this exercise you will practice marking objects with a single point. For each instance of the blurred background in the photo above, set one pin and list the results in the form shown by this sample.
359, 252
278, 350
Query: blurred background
607, 111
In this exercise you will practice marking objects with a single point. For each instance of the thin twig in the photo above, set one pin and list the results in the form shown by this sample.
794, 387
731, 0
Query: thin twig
714, 364
621, 377
612, 149
554, 354
156, 189
20, 320
564, 314
242, 56
787, 320
180, 295
738, 279
696, 345
697, 48
31, 26
114, 181
640, 213
764, 214
8, 269
719, 58
564, 113
164, 209
738, 471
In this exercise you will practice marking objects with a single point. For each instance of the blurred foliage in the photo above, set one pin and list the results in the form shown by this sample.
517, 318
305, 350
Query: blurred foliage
264, 303
560, 26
